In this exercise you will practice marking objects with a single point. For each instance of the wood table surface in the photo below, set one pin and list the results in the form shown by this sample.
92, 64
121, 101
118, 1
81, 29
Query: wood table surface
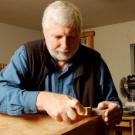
42, 124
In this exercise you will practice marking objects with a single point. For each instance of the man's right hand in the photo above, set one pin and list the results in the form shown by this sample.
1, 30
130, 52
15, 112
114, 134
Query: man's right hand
59, 107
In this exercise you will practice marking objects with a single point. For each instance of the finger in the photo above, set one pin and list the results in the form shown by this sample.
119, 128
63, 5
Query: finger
113, 112
116, 116
113, 122
113, 119
75, 104
102, 105
65, 117
109, 107
58, 118
72, 114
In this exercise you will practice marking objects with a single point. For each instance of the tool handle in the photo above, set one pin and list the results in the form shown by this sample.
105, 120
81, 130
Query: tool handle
94, 111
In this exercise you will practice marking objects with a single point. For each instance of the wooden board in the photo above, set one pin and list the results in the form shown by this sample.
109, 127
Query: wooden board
44, 125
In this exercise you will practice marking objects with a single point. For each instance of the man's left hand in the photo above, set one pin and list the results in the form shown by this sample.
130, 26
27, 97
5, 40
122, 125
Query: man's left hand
112, 112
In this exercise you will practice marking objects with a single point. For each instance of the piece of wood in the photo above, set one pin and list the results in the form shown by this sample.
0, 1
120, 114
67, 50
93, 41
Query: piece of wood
44, 125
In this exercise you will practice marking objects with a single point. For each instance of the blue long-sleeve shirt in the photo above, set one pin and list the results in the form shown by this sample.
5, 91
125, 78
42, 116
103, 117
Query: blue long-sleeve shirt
15, 101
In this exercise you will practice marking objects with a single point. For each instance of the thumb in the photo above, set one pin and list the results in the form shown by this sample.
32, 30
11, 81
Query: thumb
80, 109
102, 105
75, 104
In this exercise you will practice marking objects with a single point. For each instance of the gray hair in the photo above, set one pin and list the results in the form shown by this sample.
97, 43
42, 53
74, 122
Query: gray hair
62, 12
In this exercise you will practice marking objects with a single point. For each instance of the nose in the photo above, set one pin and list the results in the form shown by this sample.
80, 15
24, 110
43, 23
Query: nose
64, 42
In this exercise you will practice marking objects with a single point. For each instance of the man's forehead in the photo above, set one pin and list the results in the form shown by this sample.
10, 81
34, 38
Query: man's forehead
55, 23
60, 28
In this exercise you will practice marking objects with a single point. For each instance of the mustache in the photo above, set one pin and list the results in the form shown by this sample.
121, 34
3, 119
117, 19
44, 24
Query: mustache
64, 51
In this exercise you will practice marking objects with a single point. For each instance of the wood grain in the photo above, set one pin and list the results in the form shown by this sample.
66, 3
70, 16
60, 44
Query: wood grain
44, 125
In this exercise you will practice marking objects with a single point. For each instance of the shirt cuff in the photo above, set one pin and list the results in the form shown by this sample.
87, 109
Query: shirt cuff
29, 102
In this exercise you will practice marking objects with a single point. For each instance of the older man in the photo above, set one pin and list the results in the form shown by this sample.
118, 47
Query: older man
58, 75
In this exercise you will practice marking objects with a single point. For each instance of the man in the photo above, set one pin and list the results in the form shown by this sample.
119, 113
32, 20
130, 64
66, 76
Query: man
58, 75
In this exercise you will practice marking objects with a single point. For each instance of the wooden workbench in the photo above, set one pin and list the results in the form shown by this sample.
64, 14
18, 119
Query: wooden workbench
41, 124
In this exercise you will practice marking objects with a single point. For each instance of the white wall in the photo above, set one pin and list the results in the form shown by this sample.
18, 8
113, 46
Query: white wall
11, 37
113, 42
